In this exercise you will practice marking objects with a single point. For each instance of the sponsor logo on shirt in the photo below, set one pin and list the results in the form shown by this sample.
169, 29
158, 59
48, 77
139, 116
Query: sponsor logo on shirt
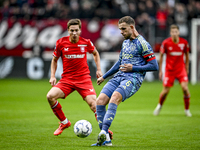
176, 53
75, 56
82, 45
126, 56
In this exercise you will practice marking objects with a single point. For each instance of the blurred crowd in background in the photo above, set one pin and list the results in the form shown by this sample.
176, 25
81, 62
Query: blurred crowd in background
141, 10
152, 17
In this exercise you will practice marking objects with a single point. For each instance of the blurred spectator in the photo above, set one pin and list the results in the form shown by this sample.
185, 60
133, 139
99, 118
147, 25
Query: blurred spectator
161, 20
87, 9
49, 11
74, 9
181, 16
5, 9
151, 8
133, 10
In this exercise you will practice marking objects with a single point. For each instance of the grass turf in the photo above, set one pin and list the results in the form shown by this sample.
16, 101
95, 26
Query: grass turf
27, 122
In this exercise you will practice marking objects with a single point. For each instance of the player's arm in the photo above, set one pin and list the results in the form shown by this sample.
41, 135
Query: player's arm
187, 61
54, 61
160, 65
97, 61
150, 66
110, 72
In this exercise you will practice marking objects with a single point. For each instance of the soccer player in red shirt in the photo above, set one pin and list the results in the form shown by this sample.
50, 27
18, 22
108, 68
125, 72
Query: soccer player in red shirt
76, 75
175, 48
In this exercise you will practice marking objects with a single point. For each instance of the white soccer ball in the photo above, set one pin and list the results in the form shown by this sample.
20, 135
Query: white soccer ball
82, 128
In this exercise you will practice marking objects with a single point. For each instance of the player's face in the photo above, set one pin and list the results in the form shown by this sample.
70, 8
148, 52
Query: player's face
74, 32
126, 30
174, 33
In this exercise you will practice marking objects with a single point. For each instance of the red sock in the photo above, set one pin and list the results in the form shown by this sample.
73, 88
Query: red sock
187, 101
162, 99
95, 114
57, 109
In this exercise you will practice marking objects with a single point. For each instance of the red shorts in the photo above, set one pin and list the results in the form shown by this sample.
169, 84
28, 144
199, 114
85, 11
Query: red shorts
83, 86
169, 77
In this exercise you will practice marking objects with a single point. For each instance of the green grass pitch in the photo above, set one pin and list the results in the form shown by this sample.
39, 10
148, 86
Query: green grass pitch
28, 123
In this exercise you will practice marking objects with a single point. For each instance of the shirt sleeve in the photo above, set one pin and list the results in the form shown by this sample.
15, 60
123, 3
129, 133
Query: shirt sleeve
162, 47
187, 48
57, 50
147, 51
91, 46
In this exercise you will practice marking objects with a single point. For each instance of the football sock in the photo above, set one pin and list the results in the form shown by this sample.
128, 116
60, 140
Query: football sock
187, 102
65, 121
57, 109
107, 137
101, 110
109, 116
162, 99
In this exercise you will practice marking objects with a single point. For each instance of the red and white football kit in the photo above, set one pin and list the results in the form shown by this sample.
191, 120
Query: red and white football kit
175, 65
76, 74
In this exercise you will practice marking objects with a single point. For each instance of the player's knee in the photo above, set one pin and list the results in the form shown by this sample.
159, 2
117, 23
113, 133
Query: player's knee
116, 98
103, 99
185, 90
50, 97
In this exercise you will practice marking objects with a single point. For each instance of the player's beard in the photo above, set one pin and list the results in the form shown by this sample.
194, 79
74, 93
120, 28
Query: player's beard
127, 36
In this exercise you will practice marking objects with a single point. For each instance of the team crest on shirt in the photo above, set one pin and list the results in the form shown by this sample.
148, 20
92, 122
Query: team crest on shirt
82, 49
170, 48
133, 47
181, 46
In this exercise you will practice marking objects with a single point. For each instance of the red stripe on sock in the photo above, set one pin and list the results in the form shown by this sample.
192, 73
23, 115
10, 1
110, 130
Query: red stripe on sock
57, 110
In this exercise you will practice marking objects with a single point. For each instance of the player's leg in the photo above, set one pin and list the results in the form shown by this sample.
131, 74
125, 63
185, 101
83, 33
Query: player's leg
168, 82
183, 80
91, 101
115, 100
101, 102
186, 93
162, 98
105, 138
52, 97
125, 90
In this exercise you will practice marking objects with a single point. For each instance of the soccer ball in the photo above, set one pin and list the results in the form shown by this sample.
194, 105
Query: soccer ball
82, 128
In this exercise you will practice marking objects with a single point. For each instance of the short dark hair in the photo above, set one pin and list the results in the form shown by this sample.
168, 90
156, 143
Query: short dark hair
127, 19
74, 22
174, 26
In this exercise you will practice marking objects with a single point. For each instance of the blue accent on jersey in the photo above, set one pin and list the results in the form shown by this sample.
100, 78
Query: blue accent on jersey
112, 70
150, 66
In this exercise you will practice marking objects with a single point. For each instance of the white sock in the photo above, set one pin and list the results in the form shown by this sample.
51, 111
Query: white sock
107, 137
65, 121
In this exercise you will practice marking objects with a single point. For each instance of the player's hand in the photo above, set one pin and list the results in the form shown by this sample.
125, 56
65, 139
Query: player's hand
100, 80
52, 81
99, 74
160, 75
126, 67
